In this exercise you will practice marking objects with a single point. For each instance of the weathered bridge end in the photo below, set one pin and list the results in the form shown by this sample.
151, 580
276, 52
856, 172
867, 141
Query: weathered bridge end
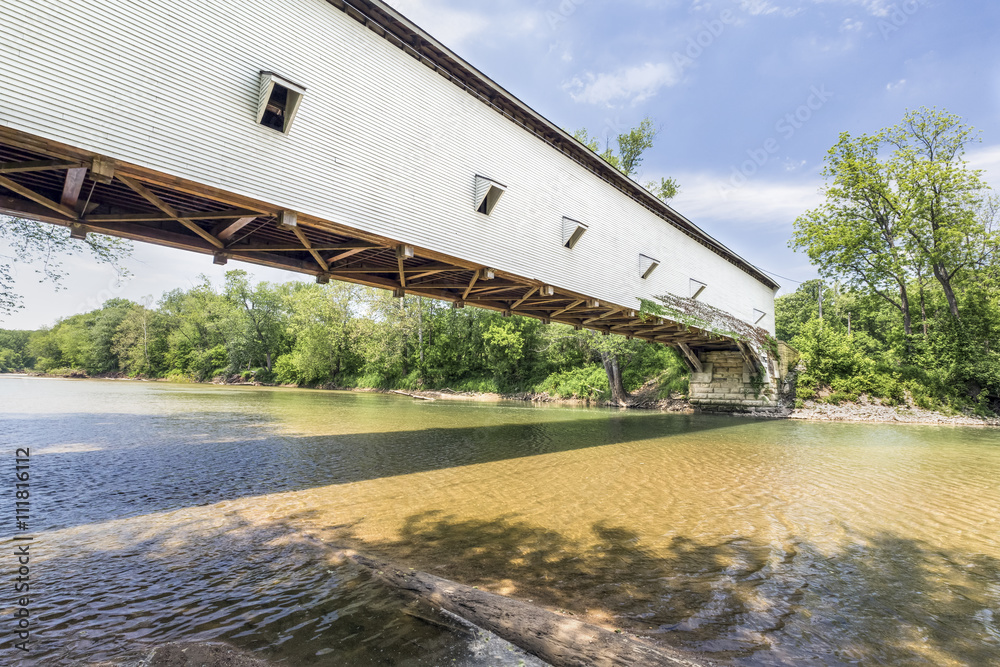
729, 382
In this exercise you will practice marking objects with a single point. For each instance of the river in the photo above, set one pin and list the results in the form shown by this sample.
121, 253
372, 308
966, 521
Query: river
169, 512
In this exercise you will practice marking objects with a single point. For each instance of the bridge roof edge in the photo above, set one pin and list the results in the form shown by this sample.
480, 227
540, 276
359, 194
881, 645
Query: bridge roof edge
383, 19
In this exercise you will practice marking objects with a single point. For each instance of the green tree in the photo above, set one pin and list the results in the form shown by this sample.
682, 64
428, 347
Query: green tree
943, 231
632, 146
46, 247
255, 325
858, 234
322, 326
139, 341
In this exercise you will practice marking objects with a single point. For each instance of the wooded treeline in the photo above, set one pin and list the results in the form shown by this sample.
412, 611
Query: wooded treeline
338, 335
909, 246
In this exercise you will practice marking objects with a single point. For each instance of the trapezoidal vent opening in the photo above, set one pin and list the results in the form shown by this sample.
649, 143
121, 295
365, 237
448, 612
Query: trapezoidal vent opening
647, 265
278, 102
572, 232
488, 193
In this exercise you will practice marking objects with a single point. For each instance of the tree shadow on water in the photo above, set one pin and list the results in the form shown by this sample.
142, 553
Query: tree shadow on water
882, 599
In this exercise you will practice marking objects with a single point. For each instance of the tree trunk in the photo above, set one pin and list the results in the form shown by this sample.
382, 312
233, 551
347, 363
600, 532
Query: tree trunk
556, 638
942, 276
904, 301
923, 311
420, 328
267, 358
618, 394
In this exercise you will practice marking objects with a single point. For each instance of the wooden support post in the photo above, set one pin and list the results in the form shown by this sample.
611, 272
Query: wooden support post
692, 357
227, 230
72, 186
527, 296
308, 246
403, 252
472, 283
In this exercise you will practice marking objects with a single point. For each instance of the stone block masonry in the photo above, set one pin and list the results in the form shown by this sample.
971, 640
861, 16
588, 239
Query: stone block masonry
726, 386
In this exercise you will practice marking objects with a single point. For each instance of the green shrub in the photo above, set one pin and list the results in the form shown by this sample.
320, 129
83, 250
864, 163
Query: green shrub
839, 397
587, 382
285, 371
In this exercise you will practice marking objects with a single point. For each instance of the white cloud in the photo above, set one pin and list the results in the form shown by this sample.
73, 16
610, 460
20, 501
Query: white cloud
851, 25
452, 27
893, 87
987, 159
629, 85
765, 7
762, 204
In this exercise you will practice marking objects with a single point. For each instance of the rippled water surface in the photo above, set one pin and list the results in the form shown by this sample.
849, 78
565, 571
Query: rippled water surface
173, 512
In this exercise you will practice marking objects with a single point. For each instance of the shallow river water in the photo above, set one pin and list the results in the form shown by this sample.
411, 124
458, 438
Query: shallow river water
167, 512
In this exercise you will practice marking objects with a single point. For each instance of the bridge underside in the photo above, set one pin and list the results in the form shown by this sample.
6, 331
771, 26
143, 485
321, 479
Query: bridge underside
62, 185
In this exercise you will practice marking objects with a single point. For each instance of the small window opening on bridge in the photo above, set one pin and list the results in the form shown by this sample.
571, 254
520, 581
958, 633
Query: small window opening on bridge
573, 231
278, 102
647, 265
697, 287
758, 315
488, 193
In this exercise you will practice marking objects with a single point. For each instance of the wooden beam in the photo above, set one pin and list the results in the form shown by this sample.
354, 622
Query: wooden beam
38, 165
566, 310
72, 186
692, 357
229, 229
20, 208
151, 197
166, 217
527, 296
472, 283
434, 285
345, 254
427, 274
495, 290
336, 247
605, 315
37, 198
308, 246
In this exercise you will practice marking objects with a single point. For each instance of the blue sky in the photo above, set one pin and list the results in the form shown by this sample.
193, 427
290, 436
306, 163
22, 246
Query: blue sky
748, 96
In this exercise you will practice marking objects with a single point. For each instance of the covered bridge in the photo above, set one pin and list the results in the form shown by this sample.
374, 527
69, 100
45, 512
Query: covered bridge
340, 140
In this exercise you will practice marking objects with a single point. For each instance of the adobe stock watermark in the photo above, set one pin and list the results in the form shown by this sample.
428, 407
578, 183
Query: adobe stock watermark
699, 43
563, 11
786, 128
115, 287
897, 16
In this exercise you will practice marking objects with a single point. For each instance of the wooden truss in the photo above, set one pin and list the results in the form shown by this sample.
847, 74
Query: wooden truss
61, 185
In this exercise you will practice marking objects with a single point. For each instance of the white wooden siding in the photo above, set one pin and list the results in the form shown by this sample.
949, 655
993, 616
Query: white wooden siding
381, 142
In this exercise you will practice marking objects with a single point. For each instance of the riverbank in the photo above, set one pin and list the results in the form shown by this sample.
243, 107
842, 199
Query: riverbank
863, 411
